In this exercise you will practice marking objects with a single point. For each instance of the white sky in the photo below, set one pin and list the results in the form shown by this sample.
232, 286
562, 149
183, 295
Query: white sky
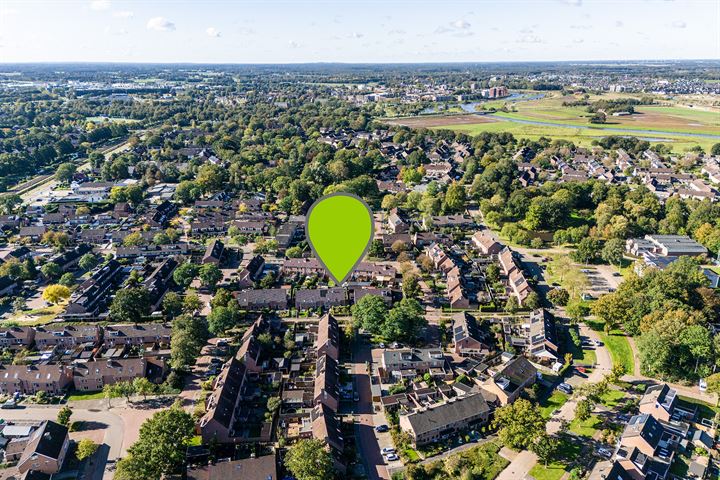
276, 31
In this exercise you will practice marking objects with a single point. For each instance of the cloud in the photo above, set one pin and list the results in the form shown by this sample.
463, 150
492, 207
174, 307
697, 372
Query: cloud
529, 39
293, 44
578, 40
527, 30
123, 14
678, 24
213, 32
356, 35
581, 27
456, 26
461, 24
575, 3
113, 31
619, 23
160, 24
100, 5
396, 31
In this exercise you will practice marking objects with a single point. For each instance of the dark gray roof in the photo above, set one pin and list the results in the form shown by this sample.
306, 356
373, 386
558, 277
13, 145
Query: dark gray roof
447, 413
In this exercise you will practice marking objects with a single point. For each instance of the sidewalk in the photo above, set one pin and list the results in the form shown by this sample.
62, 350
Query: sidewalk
519, 467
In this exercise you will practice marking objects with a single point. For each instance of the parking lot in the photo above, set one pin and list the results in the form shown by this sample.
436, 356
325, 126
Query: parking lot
602, 279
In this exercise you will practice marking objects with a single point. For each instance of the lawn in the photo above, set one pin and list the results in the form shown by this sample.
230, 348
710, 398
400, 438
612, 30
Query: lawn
568, 452
553, 402
586, 428
412, 455
617, 345
612, 398
75, 396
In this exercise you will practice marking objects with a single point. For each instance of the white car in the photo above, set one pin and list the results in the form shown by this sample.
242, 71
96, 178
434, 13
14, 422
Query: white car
387, 450
702, 385
392, 457
604, 452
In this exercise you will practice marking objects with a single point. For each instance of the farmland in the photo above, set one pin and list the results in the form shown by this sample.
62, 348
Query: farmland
677, 123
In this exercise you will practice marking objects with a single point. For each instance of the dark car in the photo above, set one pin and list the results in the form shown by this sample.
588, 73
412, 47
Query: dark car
382, 428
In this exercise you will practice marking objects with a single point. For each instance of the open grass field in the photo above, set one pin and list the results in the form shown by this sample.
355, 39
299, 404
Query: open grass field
671, 122
617, 345
552, 403
586, 428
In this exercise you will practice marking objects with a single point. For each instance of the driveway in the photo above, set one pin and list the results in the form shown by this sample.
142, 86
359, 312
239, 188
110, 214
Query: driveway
118, 427
603, 367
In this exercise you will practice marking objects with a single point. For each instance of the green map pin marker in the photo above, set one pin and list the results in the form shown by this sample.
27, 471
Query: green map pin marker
339, 229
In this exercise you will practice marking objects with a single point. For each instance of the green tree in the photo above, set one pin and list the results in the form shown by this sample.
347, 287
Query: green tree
519, 424
221, 319
411, 285
310, 460
63, 416
377, 249
130, 305
369, 313
583, 409
455, 198
134, 239
404, 321
545, 447
86, 448
588, 250
558, 296
88, 261
143, 386
612, 251
161, 446
210, 275
67, 279
51, 270
172, 305
184, 274
188, 337
65, 172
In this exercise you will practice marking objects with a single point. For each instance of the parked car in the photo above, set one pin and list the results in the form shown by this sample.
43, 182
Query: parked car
702, 385
386, 450
392, 457
382, 428
10, 404
598, 343
604, 452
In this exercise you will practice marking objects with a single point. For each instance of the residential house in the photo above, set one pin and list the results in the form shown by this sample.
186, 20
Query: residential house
254, 468
435, 422
486, 244
137, 334
665, 245
66, 337
31, 379
251, 273
92, 376
302, 266
468, 338
259, 299
509, 382
327, 340
410, 362
326, 428
46, 449
327, 379
16, 338
219, 422
659, 401
214, 252
323, 298
535, 335
92, 296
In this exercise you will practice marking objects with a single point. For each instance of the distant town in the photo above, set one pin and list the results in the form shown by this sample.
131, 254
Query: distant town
540, 298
